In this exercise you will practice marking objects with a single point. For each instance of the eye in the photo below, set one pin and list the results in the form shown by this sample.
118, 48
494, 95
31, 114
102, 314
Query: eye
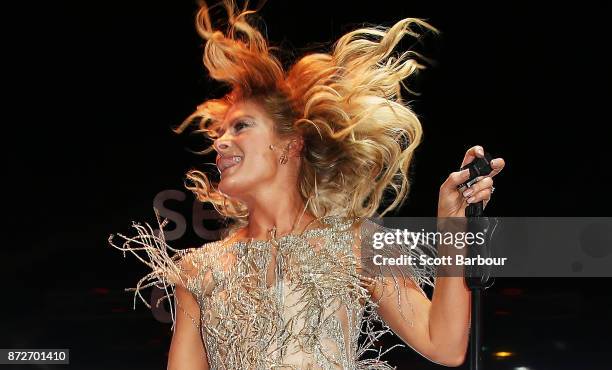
238, 126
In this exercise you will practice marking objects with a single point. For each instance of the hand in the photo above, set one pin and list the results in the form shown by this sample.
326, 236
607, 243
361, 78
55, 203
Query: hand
452, 202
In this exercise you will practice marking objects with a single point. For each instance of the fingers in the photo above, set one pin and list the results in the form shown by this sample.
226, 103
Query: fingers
454, 180
485, 183
472, 153
482, 195
497, 165
480, 191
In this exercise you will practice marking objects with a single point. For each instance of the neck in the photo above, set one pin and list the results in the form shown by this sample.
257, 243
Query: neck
287, 213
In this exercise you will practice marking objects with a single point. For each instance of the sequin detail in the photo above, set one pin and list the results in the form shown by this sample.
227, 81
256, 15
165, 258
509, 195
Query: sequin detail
296, 302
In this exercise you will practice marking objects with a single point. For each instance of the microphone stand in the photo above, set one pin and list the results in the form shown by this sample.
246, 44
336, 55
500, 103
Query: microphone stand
477, 280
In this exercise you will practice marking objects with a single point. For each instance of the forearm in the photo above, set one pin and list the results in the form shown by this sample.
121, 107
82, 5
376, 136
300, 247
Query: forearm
449, 317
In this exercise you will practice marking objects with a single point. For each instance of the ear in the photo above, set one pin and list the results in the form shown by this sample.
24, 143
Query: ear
296, 145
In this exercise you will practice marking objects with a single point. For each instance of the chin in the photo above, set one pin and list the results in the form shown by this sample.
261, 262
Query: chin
232, 188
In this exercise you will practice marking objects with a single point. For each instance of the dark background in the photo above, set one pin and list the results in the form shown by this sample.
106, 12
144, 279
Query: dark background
94, 87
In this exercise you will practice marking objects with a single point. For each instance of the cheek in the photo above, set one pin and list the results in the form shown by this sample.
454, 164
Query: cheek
259, 158
260, 162
259, 166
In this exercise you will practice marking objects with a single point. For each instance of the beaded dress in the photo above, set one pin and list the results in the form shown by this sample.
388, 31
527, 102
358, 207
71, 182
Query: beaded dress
299, 301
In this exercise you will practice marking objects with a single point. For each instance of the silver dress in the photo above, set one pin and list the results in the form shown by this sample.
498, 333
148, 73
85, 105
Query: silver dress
294, 302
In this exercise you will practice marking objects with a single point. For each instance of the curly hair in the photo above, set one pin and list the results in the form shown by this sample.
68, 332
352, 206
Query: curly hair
359, 135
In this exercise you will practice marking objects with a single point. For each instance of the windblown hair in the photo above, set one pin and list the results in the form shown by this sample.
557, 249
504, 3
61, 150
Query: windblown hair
359, 136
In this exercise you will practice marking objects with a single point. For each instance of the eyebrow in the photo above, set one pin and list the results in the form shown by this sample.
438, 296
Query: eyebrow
234, 120
237, 118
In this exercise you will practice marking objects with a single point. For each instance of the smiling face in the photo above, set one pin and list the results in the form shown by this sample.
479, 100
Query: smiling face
244, 158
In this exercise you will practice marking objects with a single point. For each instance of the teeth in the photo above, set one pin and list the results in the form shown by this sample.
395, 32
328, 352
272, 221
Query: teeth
224, 164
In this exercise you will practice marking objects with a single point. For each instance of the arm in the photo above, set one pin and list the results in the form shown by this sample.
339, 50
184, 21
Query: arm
187, 351
169, 266
437, 329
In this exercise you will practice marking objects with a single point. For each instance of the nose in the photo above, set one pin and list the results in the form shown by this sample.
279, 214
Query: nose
222, 144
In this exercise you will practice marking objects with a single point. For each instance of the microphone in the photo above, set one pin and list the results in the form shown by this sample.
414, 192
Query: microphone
478, 167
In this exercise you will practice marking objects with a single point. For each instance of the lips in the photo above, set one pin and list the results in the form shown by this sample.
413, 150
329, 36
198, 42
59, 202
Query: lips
225, 162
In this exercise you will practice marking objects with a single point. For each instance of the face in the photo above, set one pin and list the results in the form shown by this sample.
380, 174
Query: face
244, 158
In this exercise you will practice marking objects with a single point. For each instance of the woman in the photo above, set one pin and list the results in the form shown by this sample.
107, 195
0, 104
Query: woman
305, 155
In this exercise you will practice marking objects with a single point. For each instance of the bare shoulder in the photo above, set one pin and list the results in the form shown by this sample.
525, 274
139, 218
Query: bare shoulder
199, 256
199, 265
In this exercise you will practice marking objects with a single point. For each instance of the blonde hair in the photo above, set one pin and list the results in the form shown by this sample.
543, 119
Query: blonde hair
359, 135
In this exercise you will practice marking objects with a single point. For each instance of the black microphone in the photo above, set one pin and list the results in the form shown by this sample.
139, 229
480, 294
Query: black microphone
478, 167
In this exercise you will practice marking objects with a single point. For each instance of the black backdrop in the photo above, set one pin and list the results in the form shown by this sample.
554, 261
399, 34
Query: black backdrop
94, 87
